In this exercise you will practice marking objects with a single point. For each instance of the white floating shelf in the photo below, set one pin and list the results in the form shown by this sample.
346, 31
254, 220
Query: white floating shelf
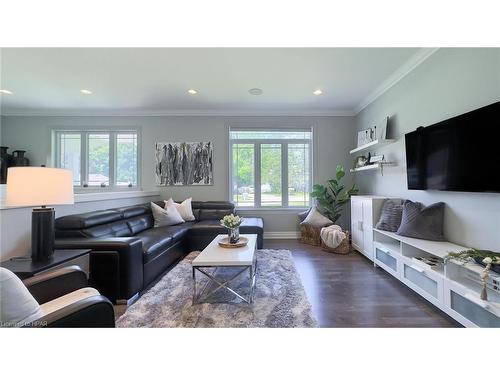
372, 145
371, 166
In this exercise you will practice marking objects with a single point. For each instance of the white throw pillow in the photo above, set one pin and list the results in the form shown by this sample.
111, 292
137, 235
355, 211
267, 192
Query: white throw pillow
166, 216
17, 305
185, 209
316, 219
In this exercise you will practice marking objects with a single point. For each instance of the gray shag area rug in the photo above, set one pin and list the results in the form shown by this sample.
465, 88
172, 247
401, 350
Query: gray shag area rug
279, 299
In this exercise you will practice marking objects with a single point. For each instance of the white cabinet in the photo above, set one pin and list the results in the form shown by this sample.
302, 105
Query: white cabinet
365, 211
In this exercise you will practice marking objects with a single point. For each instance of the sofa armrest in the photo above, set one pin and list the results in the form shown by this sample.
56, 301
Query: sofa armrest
128, 251
92, 312
54, 284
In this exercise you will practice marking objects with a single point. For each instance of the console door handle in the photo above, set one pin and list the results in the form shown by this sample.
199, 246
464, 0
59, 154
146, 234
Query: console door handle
418, 269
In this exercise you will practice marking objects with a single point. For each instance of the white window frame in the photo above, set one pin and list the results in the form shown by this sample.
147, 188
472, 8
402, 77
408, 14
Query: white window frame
284, 165
84, 156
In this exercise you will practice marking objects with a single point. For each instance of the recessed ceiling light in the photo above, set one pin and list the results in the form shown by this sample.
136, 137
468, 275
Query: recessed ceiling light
317, 92
192, 92
86, 92
3, 91
255, 91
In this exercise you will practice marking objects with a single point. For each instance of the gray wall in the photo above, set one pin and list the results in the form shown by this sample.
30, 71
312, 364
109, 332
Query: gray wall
333, 137
449, 83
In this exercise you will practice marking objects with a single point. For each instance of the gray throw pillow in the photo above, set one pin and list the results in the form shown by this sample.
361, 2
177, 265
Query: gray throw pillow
316, 219
390, 217
422, 222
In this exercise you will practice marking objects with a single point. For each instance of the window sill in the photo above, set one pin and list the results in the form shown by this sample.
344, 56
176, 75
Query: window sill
94, 197
272, 210
108, 195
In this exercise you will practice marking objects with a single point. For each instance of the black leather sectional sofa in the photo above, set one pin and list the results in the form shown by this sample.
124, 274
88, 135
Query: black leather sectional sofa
129, 253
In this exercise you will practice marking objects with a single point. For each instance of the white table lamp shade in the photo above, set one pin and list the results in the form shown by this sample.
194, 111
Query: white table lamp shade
39, 186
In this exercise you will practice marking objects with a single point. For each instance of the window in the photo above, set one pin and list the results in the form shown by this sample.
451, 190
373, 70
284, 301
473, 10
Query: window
99, 159
270, 168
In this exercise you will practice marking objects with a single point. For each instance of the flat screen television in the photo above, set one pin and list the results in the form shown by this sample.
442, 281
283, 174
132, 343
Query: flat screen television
458, 154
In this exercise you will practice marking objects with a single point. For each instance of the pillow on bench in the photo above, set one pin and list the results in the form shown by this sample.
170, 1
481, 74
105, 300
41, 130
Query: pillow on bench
422, 222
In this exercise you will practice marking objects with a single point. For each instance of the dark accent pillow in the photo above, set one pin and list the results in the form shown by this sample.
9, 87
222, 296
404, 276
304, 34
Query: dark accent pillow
302, 216
390, 217
422, 222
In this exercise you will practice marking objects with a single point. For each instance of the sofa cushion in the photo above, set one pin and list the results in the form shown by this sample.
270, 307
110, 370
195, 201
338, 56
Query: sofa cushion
132, 211
250, 225
139, 223
116, 229
157, 240
88, 219
154, 242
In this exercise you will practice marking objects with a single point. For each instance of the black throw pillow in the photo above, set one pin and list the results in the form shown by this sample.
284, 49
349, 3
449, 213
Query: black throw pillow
422, 222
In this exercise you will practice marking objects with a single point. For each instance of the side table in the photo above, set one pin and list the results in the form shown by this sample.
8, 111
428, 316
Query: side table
25, 267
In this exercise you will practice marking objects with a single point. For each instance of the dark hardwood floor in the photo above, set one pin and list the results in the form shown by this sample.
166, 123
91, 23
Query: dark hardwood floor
347, 291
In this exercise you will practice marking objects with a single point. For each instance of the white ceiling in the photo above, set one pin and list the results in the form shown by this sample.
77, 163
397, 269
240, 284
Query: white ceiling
155, 80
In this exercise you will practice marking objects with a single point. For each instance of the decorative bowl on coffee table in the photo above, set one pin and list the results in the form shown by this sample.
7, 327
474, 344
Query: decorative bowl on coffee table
224, 242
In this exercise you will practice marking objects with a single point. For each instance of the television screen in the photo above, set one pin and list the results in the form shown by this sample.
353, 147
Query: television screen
458, 154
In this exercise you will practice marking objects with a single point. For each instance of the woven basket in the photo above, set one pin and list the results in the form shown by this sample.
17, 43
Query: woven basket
310, 234
343, 248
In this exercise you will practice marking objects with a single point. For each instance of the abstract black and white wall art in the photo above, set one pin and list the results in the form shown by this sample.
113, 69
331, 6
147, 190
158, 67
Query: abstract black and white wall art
184, 163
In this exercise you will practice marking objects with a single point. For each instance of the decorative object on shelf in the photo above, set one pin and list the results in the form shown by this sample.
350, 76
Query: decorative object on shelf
184, 163
360, 161
232, 223
18, 159
4, 164
335, 240
40, 186
365, 136
376, 159
381, 130
225, 243
488, 258
332, 197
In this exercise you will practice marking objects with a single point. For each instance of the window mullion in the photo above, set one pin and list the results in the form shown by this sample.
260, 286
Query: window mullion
284, 174
257, 176
112, 159
84, 155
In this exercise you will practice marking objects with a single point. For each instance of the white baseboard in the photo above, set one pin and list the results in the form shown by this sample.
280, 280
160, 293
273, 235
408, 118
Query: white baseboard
281, 235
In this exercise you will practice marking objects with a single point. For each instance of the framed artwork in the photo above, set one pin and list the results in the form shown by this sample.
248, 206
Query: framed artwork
365, 136
184, 163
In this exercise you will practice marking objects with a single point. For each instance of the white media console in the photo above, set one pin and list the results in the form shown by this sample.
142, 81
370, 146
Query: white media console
452, 287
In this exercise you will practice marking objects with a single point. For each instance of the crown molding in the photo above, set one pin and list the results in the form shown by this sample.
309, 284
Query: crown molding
235, 113
414, 61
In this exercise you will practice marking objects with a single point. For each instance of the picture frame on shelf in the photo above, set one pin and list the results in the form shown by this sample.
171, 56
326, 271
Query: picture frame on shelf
381, 129
365, 136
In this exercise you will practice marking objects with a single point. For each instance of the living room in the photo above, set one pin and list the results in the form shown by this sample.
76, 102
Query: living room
249, 186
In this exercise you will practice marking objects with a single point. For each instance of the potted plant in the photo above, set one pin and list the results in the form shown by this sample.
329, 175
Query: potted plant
332, 197
232, 223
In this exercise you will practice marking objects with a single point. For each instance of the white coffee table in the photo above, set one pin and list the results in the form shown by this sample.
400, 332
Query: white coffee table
215, 256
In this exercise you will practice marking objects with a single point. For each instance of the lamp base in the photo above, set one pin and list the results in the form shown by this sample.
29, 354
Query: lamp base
42, 233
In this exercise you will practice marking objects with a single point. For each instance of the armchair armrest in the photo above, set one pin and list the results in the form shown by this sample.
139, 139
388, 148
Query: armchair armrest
54, 284
126, 255
92, 312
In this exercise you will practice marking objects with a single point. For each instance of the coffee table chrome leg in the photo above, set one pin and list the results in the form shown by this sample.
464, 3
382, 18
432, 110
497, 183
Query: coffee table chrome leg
194, 285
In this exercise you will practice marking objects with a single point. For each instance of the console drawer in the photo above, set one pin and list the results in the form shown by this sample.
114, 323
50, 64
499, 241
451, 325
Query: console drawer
388, 260
467, 308
427, 283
